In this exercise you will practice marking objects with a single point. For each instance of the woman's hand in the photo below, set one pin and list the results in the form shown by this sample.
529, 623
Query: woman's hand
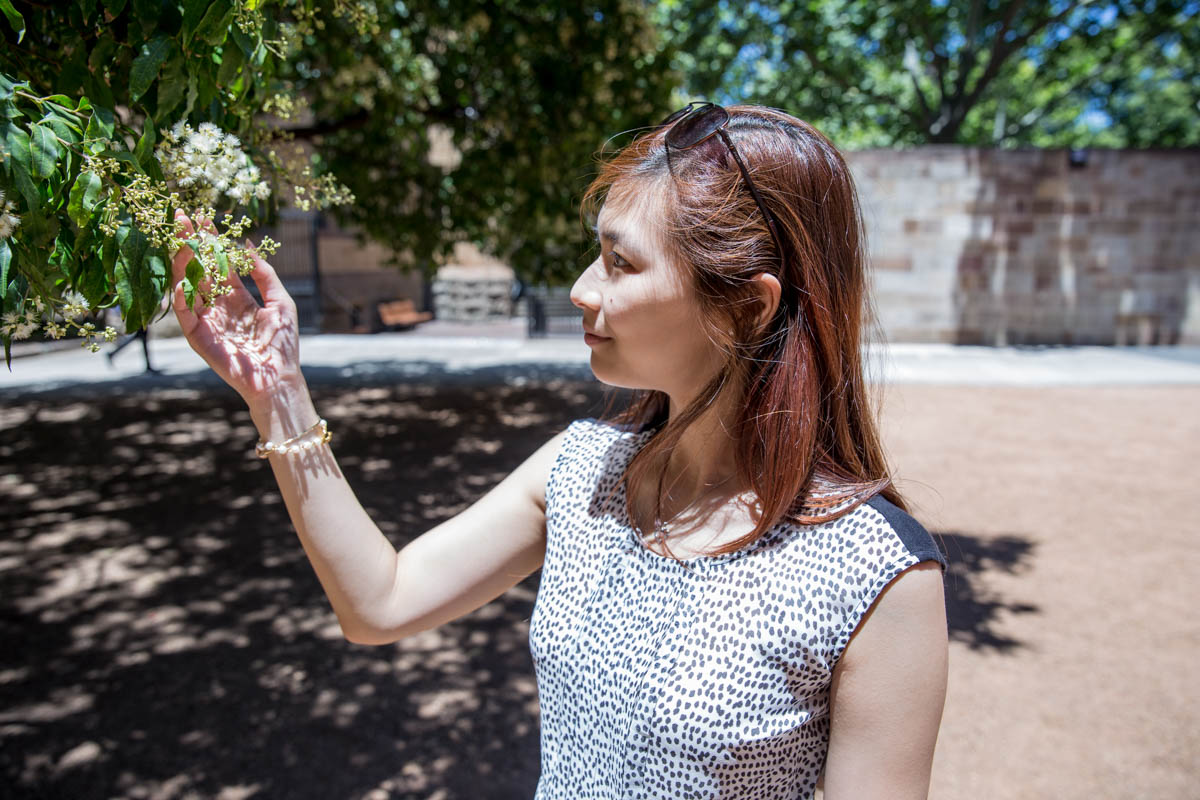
255, 349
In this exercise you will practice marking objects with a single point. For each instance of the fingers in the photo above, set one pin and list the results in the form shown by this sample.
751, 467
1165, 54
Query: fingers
184, 256
188, 319
267, 279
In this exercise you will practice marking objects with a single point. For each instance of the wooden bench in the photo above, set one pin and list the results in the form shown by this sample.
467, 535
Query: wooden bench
400, 314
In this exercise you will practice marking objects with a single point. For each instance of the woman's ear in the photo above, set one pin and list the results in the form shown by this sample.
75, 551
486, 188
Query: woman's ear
767, 287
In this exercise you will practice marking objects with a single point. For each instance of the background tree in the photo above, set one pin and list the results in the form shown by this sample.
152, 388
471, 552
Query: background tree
115, 113
97, 104
526, 91
987, 72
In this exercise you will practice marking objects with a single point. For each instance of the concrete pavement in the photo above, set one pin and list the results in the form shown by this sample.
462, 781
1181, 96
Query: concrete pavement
336, 358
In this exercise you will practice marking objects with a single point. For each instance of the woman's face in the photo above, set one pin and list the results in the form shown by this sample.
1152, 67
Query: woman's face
640, 315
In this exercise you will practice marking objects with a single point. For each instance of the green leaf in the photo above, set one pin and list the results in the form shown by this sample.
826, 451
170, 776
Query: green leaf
45, 151
92, 283
193, 12
63, 128
191, 96
147, 13
85, 196
145, 67
101, 56
60, 99
18, 147
5, 262
141, 277
101, 124
39, 227
125, 156
144, 152
171, 87
193, 274
8, 86
21, 163
68, 118
15, 20
207, 90
231, 63
215, 26
245, 42
114, 7
222, 259
108, 257
74, 72
100, 92
128, 270
86, 8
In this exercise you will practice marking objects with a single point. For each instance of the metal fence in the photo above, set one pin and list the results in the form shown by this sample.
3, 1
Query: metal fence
296, 263
550, 312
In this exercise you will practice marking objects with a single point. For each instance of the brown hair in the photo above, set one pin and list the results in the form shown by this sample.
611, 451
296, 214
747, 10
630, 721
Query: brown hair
805, 436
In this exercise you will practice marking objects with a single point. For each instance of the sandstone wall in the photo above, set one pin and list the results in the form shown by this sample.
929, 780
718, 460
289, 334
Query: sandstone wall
1023, 247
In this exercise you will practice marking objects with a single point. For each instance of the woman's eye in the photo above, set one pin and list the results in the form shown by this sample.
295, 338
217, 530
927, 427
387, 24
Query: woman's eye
619, 262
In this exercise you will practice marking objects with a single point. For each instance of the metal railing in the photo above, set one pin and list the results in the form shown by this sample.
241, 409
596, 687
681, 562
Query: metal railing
550, 312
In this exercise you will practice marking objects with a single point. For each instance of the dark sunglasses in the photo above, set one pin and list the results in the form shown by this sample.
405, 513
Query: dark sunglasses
696, 123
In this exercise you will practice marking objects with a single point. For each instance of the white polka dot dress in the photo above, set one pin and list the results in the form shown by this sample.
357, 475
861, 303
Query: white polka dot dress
702, 679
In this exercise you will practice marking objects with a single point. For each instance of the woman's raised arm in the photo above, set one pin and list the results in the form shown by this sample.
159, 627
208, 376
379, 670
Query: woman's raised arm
379, 595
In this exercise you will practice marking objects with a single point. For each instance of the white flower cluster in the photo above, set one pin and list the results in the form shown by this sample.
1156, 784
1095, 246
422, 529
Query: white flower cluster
206, 163
21, 324
17, 325
8, 220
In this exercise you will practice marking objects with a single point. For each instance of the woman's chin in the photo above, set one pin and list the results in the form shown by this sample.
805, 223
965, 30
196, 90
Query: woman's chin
610, 377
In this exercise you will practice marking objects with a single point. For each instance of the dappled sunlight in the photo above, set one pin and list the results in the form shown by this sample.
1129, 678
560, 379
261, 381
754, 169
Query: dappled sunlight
166, 636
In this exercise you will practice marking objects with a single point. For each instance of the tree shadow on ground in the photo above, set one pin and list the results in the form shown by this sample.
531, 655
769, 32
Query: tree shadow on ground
165, 636
974, 612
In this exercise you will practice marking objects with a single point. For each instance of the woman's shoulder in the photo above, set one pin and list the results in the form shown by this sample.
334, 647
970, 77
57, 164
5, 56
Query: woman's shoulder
914, 537
871, 536
595, 429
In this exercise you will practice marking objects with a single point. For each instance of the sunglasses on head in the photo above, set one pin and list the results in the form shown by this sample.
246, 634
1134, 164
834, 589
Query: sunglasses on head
697, 122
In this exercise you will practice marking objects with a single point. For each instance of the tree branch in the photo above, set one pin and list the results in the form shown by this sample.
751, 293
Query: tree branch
1026, 122
849, 86
1002, 50
910, 54
968, 60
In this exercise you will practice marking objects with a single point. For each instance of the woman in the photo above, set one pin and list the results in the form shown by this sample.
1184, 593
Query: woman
733, 601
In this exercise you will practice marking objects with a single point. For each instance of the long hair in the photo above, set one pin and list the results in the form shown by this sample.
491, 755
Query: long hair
806, 440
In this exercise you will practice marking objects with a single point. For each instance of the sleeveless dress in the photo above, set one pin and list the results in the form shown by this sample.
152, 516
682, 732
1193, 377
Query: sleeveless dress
702, 679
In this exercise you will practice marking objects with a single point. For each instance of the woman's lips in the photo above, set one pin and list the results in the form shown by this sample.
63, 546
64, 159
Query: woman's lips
592, 339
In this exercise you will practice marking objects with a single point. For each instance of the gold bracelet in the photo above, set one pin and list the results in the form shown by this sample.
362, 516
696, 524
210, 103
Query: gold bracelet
265, 449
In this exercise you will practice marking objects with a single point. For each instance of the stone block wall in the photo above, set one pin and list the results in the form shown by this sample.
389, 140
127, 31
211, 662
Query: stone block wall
1025, 247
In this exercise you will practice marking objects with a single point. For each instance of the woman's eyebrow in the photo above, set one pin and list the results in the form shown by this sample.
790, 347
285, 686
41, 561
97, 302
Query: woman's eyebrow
620, 239
607, 233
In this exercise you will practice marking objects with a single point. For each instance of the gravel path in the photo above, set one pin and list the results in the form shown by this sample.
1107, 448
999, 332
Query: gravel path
165, 637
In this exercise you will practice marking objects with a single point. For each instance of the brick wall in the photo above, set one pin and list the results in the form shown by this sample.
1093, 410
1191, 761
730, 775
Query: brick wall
1022, 247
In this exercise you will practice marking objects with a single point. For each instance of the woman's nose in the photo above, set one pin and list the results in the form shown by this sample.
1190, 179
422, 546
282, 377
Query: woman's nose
584, 294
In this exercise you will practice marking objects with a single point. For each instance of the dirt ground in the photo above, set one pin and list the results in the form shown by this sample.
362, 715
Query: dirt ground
164, 636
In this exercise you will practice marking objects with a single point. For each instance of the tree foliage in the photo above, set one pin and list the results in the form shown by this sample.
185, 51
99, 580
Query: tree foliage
526, 90
91, 91
87, 92
1120, 73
